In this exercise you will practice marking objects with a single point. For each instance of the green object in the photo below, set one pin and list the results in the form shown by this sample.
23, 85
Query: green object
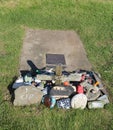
38, 71
28, 78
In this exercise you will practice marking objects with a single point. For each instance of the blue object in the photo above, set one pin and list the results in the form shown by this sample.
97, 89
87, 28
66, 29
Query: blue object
64, 103
53, 102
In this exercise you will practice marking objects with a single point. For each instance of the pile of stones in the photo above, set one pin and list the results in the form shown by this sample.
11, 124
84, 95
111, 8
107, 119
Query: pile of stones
77, 89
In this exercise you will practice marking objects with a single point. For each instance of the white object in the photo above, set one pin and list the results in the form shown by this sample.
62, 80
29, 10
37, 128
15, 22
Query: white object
79, 101
19, 80
104, 99
44, 91
50, 70
37, 80
95, 104
53, 81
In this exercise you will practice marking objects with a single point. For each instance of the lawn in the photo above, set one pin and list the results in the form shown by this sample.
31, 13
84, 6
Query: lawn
93, 21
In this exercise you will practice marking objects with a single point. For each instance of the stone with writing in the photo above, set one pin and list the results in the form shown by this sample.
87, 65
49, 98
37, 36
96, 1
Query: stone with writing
27, 95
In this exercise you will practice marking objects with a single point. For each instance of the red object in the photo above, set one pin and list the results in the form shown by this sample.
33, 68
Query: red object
66, 83
83, 77
80, 89
47, 101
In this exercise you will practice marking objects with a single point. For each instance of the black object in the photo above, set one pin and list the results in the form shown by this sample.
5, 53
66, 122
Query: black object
32, 65
55, 59
61, 92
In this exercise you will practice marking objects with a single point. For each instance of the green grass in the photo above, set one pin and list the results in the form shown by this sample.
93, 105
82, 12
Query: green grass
93, 21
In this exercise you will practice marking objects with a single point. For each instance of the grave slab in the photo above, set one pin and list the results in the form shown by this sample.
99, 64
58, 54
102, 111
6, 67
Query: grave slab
39, 43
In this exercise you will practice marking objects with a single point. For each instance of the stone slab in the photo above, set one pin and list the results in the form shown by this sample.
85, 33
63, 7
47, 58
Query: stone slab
38, 43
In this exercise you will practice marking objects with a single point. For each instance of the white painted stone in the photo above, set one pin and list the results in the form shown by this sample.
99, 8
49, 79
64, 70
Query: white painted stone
79, 101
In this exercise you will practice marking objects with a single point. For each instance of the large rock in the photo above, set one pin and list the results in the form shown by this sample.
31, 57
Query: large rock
27, 95
79, 101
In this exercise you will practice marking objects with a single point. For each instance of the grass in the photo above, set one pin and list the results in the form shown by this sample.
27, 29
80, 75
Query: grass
93, 21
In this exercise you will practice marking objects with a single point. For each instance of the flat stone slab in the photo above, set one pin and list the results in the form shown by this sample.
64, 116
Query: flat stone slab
38, 43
